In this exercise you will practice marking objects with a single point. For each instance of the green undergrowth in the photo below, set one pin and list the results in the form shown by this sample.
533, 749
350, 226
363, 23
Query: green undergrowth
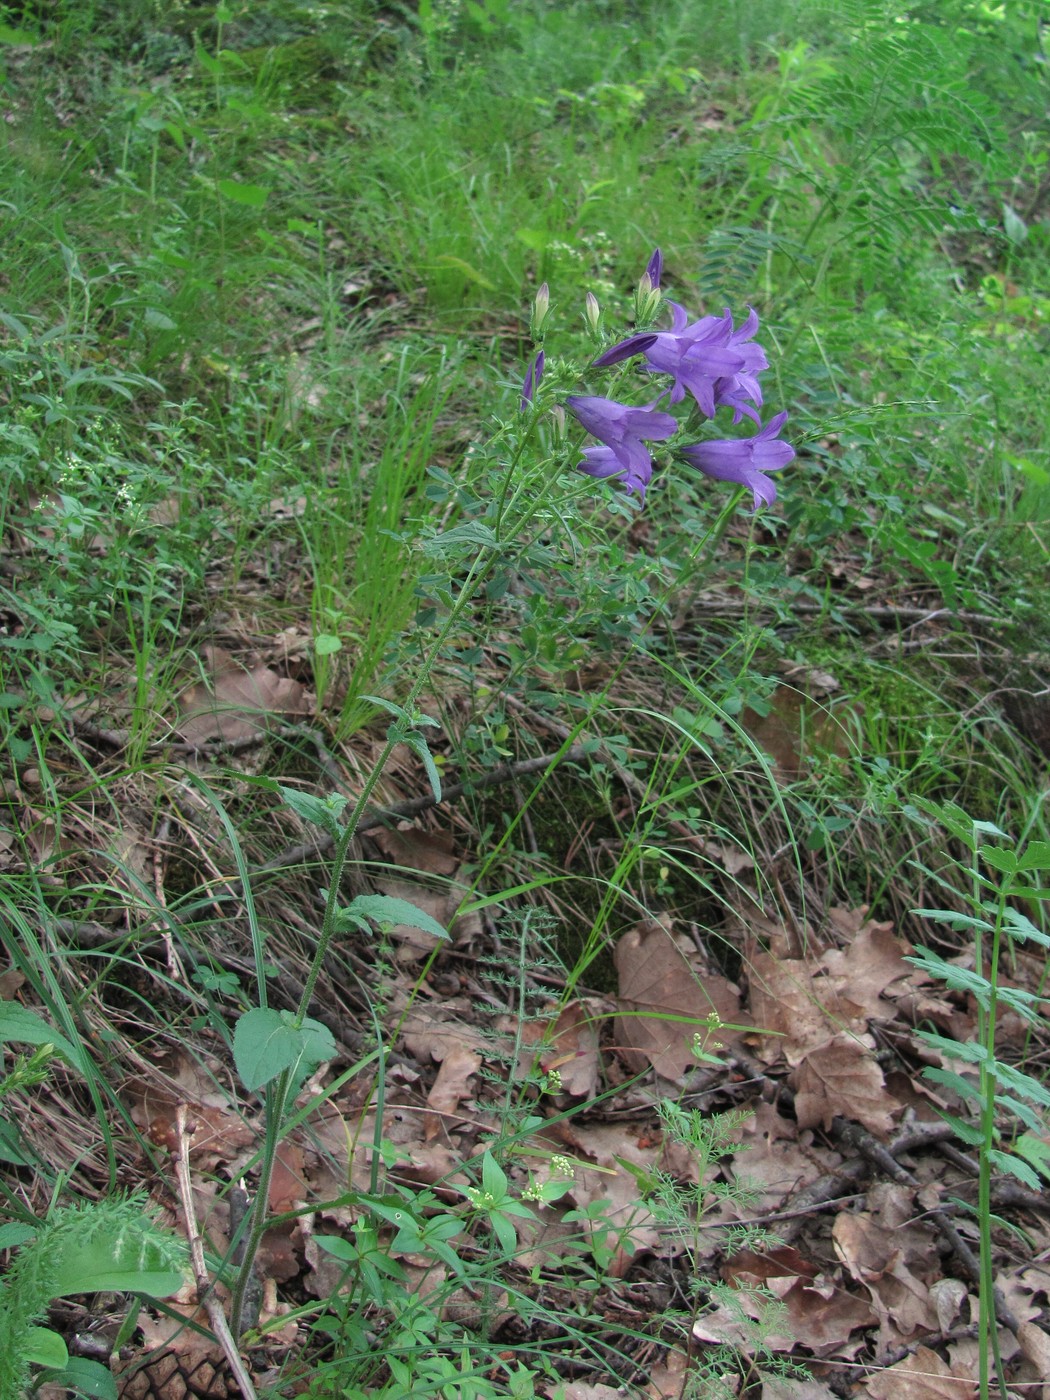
263, 327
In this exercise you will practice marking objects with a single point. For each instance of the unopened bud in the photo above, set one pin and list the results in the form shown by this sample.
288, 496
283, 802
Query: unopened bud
592, 313
533, 375
541, 307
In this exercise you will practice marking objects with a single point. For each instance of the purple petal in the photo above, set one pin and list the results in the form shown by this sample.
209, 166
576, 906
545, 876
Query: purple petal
633, 345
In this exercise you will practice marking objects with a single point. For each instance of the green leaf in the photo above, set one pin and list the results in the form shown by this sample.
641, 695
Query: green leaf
1035, 1151
112, 1261
265, 1045
254, 196
470, 535
46, 1348
418, 744
24, 1026
15, 1233
1020, 926
87, 1378
1004, 861
17, 37
505, 1233
317, 811
1036, 856
493, 1177
1007, 1162
388, 910
471, 273
325, 644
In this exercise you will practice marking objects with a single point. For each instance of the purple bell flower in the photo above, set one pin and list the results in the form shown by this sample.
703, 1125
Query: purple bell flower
621, 430
710, 360
745, 461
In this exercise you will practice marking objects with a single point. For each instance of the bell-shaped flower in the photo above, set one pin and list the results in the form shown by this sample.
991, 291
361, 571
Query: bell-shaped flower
745, 461
622, 431
696, 355
708, 359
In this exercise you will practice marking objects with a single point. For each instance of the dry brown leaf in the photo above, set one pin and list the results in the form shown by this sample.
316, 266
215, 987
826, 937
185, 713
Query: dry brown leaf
923, 1376
449, 1088
783, 1005
218, 1130
664, 1003
572, 1050
842, 1078
797, 1390
236, 703
665, 1382
1035, 1345
879, 1255
431, 854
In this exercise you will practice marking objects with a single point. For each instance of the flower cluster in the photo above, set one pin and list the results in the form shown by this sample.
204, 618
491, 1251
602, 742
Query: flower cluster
712, 361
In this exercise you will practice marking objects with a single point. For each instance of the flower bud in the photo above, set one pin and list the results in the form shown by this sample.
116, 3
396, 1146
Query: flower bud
533, 375
592, 313
541, 306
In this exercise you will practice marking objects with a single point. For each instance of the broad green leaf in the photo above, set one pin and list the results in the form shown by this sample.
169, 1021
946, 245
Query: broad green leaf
1036, 856
17, 37
388, 910
87, 1378
19, 1024
1004, 860
15, 1233
493, 1177
254, 196
325, 644
114, 1260
267, 1042
46, 1348
263, 1046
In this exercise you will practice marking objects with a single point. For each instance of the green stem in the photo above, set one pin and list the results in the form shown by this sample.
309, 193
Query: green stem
277, 1091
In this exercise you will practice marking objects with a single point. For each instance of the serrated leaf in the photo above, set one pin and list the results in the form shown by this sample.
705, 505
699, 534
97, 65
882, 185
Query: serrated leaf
1005, 861
1035, 1151
1007, 1162
1036, 856
389, 910
953, 1081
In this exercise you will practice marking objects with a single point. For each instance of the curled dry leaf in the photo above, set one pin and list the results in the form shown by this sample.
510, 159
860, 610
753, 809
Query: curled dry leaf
236, 703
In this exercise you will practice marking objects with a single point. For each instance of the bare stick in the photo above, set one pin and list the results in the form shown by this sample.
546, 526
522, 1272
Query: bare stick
205, 1292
